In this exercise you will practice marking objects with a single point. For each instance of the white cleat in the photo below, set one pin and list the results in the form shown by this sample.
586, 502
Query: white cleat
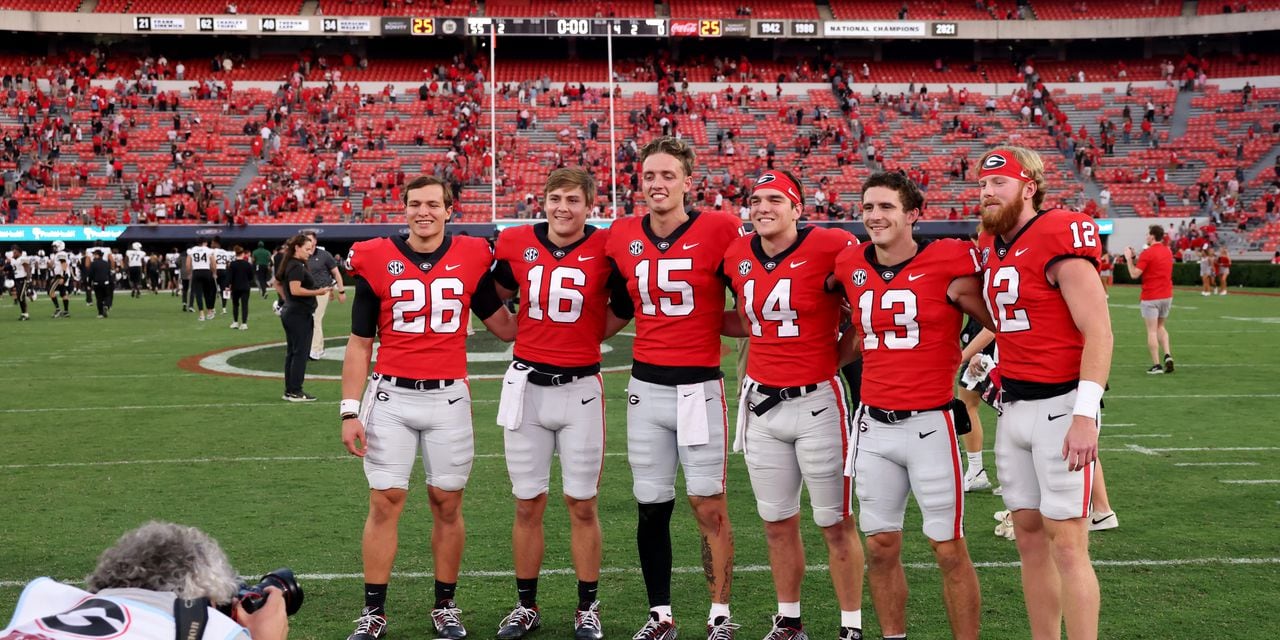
1103, 521
976, 481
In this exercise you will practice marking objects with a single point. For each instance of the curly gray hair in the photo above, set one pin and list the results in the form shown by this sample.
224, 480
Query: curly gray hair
162, 556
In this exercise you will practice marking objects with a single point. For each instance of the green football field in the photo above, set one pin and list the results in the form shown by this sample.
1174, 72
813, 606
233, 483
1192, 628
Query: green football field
109, 423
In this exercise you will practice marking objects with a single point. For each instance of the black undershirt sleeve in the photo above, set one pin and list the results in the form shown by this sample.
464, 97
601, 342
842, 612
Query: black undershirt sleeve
619, 298
485, 301
364, 310
504, 276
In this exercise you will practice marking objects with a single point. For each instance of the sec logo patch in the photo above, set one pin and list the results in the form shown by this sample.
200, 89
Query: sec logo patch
744, 267
635, 248
395, 267
859, 277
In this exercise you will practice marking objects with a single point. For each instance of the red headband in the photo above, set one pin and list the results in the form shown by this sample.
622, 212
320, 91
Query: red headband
780, 181
1002, 162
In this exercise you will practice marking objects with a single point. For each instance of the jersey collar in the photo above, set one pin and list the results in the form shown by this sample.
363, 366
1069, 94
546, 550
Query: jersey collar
771, 262
1002, 247
662, 244
540, 232
887, 272
424, 260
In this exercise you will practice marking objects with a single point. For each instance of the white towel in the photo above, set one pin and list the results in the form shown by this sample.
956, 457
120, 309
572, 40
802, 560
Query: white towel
740, 431
853, 447
511, 403
691, 415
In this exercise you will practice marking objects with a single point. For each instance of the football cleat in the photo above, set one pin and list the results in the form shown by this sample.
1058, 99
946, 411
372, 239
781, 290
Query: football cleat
655, 629
244, 326
1103, 521
1168, 363
301, 396
850, 633
448, 622
369, 626
586, 623
976, 481
235, 325
779, 632
722, 628
1155, 370
519, 623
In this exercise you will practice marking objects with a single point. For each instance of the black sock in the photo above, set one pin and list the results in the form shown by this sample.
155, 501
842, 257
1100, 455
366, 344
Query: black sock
527, 591
375, 597
653, 540
445, 591
790, 623
66, 305
587, 593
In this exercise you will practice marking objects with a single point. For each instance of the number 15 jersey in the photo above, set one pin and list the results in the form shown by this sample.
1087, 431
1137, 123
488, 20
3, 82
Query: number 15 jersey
675, 286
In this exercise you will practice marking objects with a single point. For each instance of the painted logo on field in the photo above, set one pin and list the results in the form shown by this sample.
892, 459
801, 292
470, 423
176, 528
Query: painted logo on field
487, 358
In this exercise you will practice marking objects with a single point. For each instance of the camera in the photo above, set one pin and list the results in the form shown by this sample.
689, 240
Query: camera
252, 598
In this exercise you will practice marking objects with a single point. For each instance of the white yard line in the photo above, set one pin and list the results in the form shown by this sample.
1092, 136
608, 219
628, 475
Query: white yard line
760, 568
1215, 464
1250, 481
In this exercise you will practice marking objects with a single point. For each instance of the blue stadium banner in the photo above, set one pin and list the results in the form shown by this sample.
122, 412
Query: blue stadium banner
66, 233
1105, 227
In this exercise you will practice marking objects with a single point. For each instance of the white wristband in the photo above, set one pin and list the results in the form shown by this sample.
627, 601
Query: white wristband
349, 406
1088, 399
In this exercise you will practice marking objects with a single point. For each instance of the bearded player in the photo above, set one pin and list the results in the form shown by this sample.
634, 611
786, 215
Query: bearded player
413, 294
676, 410
1053, 331
553, 396
908, 299
793, 424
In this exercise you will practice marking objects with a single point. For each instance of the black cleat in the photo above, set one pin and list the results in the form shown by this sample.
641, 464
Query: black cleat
782, 632
721, 629
850, 633
655, 629
520, 622
586, 623
1155, 370
369, 626
1168, 363
448, 622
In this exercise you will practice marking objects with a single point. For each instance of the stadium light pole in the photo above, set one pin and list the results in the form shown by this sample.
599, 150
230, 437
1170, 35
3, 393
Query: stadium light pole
493, 123
613, 144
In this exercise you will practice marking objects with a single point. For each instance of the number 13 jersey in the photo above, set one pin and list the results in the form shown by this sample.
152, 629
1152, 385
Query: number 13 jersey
1038, 340
423, 302
909, 328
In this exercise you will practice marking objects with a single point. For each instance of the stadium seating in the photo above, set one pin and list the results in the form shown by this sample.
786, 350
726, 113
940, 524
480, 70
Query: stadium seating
40, 5
537, 8
759, 9
916, 10
1084, 10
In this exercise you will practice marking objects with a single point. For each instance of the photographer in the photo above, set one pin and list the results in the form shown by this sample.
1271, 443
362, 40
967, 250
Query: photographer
142, 586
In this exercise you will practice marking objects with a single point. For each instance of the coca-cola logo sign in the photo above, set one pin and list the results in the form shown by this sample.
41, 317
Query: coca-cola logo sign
684, 27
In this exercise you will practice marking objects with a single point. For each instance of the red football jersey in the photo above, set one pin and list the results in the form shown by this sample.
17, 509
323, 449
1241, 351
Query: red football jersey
910, 330
563, 292
424, 302
793, 321
1037, 338
675, 286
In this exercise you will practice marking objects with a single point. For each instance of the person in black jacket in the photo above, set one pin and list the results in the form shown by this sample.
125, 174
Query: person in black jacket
299, 291
99, 276
242, 275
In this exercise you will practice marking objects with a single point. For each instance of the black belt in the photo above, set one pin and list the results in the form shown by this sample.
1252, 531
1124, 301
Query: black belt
420, 385
775, 395
551, 379
891, 417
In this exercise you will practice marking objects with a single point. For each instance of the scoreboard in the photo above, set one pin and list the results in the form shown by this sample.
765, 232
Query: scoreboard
622, 27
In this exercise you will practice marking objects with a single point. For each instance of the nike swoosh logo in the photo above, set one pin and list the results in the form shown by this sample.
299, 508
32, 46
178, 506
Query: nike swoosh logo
915, 276
454, 400
585, 258
690, 246
926, 435
1102, 519
587, 401
814, 413
1053, 417
797, 265
1021, 251
451, 267
685, 395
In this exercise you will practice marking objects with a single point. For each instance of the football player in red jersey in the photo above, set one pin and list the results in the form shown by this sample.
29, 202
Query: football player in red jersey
553, 396
676, 411
908, 299
792, 419
413, 294
1053, 331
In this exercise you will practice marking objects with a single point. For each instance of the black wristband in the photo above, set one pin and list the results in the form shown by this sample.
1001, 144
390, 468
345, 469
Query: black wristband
350, 416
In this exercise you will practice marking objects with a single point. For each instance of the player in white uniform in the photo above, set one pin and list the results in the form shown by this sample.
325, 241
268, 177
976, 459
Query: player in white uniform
173, 271
223, 259
60, 263
21, 265
41, 281
135, 257
200, 260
